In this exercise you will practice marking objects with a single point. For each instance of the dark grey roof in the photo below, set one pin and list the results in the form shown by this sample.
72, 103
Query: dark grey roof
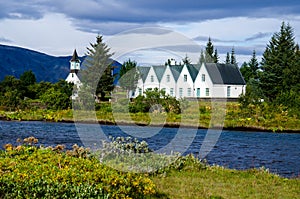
75, 57
176, 70
225, 74
159, 71
144, 70
193, 70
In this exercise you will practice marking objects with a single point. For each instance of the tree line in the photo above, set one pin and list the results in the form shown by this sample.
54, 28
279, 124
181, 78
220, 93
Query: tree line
25, 92
276, 79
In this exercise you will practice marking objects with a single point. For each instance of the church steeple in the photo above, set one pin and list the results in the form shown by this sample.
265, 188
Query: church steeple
75, 63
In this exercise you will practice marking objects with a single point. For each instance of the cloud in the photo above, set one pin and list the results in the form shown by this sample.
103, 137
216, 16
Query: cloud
205, 38
91, 15
258, 35
3, 39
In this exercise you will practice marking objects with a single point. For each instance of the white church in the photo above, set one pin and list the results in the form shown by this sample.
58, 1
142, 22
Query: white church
205, 81
74, 69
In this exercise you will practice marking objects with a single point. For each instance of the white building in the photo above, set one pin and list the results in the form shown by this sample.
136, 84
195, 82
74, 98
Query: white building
74, 69
208, 80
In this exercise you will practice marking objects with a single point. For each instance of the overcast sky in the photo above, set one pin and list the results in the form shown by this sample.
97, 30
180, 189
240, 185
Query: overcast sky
56, 27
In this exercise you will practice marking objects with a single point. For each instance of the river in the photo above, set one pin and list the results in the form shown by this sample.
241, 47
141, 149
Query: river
279, 152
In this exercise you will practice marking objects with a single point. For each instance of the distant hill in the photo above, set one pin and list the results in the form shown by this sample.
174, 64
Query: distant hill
16, 60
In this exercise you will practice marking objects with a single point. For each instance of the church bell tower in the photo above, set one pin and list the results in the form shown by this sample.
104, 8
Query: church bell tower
74, 63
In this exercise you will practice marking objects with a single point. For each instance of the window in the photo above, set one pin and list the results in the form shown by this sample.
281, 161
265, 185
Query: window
228, 91
140, 91
203, 77
163, 89
189, 92
185, 78
152, 78
168, 78
207, 92
172, 91
198, 92
180, 92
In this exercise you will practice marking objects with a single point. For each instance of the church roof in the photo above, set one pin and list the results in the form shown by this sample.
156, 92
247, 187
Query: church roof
225, 74
75, 57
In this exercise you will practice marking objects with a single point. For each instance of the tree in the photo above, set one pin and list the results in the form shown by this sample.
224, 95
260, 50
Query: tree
250, 70
246, 71
202, 58
232, 57
28, 78
279, 63
186, 60
98, 73
216, 56
58, 95
227, 61
129, 76
209, 51
254, 66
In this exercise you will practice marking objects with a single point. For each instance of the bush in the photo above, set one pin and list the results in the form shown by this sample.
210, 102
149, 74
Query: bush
155, 100
29, 171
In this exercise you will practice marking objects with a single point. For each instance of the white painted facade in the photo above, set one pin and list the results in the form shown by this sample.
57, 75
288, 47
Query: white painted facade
202, 86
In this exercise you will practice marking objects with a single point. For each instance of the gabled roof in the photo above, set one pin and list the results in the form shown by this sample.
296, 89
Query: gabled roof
225, 74
159, 71
143, 70
75, 57
176, 70
193, 70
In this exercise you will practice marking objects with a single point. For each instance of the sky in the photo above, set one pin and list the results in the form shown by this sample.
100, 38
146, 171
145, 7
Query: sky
148, 32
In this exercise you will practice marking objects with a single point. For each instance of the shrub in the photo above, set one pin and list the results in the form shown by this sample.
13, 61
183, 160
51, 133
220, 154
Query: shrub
152, 99
29, 171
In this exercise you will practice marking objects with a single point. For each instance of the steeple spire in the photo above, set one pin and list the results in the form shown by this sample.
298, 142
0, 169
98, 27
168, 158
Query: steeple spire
75, 57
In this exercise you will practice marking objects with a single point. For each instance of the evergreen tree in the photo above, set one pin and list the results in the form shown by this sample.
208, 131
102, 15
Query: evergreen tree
209, 51
98, 73
202, 58
246, 71
129, 76
253, 65
227, 61
186, 60
279, 64
216, 56
232, 57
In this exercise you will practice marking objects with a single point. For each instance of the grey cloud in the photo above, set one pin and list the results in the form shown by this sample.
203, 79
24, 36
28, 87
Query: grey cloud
258, 36
88, 15
205, 38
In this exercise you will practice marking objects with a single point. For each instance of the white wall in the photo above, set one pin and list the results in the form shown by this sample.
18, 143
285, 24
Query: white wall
184, 85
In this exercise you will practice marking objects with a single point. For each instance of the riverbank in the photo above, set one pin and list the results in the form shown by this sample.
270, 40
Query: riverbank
203, 116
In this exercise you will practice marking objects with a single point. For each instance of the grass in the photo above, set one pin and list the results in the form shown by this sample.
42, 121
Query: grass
217, 182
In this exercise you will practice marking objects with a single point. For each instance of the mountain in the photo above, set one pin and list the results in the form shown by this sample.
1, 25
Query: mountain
16, 60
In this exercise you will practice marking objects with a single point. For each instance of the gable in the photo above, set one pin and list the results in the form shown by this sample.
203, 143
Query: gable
176, 70
143, 72
193, 70
159, 71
